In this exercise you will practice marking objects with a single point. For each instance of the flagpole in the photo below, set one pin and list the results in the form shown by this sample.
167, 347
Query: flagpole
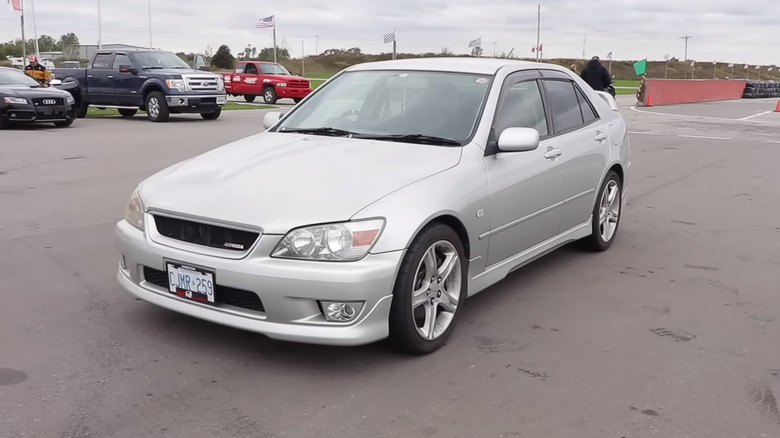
274, 29
100, 29
24, 41
394, 44
538, 29
35, 30
150, 25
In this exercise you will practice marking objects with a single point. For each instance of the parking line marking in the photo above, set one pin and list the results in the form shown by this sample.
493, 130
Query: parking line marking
755, 115
704, 137
772, 141
643, 133
633, 108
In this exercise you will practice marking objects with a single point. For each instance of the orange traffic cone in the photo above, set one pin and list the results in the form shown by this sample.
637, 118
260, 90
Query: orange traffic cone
649, 101
777, 108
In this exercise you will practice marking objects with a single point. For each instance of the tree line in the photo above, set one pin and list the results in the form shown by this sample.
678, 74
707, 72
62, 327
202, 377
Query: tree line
68, 44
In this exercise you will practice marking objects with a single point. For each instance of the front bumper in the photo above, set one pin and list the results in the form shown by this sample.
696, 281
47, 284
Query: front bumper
291, 92
195, 102
28, 113
289, 289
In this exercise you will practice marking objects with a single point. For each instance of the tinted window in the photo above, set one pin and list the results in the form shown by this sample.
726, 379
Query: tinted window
250, 69
274, 69
521, 107
564, 105
102, 61
588, 114
121, 60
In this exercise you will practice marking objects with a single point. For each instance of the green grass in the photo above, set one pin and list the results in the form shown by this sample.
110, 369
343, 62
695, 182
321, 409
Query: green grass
230, 106
626, 83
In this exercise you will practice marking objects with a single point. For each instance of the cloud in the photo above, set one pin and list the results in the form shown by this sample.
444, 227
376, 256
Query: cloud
631, 29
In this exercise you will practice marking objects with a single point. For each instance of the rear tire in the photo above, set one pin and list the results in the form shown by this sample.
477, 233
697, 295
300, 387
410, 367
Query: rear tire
607, 212
212, 115
436, 268
249, 98
126, 112
81, 109
157, 107
297, 99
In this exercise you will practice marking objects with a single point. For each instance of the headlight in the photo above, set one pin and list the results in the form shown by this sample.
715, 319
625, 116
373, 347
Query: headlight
176, 83
19, 100
71, 100
281, 84
220, 84
135, 211
343, 242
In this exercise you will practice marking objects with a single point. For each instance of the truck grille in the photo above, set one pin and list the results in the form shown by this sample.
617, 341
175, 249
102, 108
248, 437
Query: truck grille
205, 235
224, 295
202, 83
297, 83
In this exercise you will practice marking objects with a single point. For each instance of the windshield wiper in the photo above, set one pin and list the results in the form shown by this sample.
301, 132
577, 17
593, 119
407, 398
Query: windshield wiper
414, 138
152, 68
320, 131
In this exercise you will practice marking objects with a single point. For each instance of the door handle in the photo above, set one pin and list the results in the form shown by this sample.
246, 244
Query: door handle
89, 76
553, 153
111, 76
601, 136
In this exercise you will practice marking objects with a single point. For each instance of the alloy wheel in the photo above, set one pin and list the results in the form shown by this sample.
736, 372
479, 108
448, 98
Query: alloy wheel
436, 290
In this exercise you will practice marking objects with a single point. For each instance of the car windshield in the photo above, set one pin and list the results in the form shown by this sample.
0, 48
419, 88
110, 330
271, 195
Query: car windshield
17, 77
274, 69
159, 60
407, 105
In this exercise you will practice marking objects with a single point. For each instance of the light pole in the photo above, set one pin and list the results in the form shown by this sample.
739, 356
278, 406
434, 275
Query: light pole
316, 45
100, 30
150, 25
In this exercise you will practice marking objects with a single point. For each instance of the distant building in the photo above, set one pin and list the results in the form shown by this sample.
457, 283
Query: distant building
86, 51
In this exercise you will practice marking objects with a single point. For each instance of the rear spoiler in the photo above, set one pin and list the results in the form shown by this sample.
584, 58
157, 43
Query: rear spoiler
608, 99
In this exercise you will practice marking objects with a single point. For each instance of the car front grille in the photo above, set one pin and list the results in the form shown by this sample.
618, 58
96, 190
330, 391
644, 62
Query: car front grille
48, 101
223, 295
297, 83
212, 236
202, 83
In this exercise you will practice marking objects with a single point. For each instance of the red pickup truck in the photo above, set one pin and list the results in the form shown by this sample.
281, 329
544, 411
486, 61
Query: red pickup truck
267, 79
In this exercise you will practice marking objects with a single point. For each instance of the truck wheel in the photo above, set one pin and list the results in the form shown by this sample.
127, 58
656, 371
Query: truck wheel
156, 107
127, 112
249, 98
269, 95
297, 99
81, 110
212, 115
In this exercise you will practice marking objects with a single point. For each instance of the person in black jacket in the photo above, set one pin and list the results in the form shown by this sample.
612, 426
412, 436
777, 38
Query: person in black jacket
596, 75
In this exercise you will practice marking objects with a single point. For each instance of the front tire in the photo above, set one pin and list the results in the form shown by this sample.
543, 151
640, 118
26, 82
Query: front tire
157, 107
606, 215
81, 109
70, 118
212, 115
429, 292
269, 95
249, 98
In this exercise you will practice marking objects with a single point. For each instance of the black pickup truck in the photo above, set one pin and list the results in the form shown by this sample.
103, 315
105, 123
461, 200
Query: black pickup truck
154, 81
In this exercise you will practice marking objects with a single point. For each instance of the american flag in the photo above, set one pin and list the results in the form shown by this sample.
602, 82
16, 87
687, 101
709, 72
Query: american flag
475, 43
265, 22
17, 4
389, 37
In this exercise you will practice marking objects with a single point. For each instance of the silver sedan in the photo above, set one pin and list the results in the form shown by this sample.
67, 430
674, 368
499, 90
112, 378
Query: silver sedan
375, 207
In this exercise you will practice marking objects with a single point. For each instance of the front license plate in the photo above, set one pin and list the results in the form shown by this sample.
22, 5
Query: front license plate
193, 283
221, 100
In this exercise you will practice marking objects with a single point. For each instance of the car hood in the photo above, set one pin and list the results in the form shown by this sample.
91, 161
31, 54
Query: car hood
277, 181
32, 92
282, 78
177, 72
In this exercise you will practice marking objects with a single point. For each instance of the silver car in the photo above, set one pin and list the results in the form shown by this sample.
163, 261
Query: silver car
375, 207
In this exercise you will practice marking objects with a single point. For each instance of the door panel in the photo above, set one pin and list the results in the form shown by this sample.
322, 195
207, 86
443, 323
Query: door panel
526, 187
100, 85
584, 143
127, 86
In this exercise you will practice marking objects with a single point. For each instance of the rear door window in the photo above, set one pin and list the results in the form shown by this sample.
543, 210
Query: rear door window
564, 105
102, 61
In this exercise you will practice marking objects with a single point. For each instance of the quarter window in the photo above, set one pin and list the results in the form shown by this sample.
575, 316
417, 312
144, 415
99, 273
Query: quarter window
521, 107
588, 114
564, 105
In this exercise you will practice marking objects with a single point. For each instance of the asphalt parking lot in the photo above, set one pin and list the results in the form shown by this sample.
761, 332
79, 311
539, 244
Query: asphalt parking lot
671, 333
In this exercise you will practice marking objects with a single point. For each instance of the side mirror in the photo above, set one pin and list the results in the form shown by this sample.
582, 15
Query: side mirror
204, 68
55, 82
518, 140
270, 119
127, 69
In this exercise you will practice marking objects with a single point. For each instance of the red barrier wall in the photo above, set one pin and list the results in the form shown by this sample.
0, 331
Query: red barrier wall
672, 91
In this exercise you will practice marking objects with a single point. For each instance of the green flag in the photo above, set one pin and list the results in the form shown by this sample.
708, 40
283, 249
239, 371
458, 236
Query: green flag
640, 67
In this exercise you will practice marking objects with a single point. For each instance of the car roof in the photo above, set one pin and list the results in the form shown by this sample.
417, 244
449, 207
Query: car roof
486, 66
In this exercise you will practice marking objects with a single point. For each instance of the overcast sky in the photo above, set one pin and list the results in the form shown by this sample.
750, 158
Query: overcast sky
722, 30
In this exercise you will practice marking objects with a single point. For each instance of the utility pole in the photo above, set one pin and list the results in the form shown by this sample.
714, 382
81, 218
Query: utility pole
686, 38
316, 45
151, 46
100, 28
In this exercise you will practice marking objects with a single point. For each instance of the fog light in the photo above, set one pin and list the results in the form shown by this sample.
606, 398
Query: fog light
124, 262
181, 101
340, 311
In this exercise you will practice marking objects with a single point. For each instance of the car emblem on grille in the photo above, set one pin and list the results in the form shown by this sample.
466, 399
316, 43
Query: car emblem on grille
234, 245
49, 102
